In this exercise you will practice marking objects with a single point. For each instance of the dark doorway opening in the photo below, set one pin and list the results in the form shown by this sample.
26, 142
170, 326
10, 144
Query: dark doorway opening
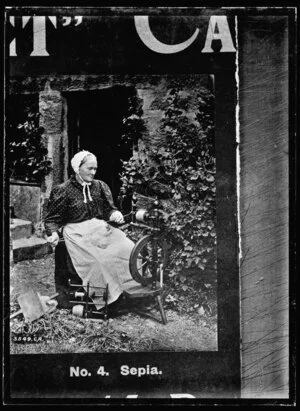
95, 120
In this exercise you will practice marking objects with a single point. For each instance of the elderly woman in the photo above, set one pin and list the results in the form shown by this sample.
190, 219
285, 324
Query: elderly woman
99, 252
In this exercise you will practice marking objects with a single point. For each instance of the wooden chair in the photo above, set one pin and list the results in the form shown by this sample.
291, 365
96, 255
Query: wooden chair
63, 272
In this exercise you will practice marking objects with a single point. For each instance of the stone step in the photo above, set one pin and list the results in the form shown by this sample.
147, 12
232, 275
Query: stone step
30, 248
20, 228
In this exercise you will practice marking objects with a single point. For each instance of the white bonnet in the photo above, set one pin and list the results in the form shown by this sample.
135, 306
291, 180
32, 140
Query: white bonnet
77, 160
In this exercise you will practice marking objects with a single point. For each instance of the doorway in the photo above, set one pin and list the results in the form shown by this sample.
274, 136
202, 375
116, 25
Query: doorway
95, 120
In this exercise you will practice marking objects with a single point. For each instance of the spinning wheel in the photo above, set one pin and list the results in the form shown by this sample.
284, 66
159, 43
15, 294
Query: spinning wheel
148, 260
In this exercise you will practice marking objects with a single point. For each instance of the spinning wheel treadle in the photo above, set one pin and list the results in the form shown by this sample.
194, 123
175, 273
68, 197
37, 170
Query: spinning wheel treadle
134, 290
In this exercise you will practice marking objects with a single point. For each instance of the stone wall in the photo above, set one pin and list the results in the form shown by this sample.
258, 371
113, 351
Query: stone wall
26, 201
153, 90
51, 106
155, 95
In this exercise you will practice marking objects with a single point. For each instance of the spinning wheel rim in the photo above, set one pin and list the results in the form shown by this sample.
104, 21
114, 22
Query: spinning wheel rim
138, 267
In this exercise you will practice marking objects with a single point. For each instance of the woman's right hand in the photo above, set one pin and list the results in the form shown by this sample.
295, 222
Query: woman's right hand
53, 239
117, 217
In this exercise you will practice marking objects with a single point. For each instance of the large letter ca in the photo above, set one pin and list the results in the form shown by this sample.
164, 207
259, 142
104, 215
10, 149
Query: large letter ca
217, 29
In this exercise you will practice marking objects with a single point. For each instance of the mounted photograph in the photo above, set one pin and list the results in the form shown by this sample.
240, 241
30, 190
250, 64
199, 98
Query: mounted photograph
147, 195
120, 225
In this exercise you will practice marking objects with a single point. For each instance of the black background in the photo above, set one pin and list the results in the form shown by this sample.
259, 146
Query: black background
202, 374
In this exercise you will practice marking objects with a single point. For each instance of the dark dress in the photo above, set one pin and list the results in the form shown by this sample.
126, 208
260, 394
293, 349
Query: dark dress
66, 205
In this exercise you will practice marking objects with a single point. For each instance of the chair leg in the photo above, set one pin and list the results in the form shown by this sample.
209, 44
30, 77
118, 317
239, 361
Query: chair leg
161, 309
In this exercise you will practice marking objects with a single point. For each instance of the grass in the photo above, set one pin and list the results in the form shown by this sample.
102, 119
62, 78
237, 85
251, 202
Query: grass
62, 332
191, 314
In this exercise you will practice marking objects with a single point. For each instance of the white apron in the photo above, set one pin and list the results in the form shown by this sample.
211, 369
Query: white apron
100, 255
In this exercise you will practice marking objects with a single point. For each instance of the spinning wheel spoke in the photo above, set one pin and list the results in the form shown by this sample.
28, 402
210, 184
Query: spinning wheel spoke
141, 260
142, 265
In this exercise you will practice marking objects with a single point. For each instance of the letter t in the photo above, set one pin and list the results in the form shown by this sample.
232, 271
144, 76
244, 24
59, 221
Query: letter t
39, 33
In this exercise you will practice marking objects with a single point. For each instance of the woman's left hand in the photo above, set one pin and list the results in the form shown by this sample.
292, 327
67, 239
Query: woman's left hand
117, 217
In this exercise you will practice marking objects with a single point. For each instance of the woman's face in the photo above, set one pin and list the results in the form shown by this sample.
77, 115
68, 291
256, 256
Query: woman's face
88, 169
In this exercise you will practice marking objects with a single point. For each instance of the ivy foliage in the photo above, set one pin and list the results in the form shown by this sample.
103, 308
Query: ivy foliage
27, 151
133, 126
181, 173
